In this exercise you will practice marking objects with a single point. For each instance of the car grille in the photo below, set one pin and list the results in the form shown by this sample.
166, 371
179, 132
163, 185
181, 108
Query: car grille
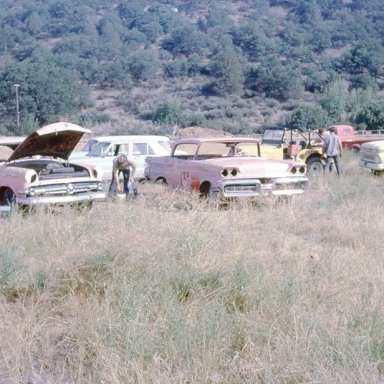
246, 189
368, 155
65, 189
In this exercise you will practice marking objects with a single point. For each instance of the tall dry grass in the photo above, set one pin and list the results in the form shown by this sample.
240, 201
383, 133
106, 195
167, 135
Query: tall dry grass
165, 289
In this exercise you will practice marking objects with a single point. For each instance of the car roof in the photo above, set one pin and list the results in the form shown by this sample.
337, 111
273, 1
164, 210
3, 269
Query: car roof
224, 139
11, 141
129, 138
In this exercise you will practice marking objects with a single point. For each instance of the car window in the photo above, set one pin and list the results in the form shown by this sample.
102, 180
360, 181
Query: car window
166, 144
99, 150
140, 149
185, 150
90, 144
151, 151
214, 149
247, 149
120, 148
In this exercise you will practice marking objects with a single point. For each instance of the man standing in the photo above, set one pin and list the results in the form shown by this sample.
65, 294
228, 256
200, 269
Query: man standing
332, 150
121, 164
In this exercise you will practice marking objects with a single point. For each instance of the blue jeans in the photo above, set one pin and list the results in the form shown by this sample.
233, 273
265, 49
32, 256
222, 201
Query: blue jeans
330, 160
113, 187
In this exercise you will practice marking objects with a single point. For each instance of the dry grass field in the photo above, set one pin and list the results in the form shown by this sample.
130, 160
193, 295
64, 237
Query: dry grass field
165, 289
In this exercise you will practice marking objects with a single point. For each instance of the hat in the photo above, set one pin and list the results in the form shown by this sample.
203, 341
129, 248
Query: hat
122, 159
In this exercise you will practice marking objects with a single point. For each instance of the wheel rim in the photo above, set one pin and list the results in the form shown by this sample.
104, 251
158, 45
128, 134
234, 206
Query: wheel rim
315, 168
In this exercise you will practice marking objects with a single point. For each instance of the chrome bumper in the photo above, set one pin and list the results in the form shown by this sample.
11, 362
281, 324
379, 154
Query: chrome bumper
37, 200
254, 188
371, 165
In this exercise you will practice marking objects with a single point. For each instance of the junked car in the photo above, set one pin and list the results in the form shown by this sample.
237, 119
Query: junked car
38, 171
85, 148
136, 147
8, 144
371, 156
227, 167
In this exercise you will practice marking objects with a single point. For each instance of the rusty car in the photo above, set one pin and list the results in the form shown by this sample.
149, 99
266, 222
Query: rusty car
38, 171
225, 168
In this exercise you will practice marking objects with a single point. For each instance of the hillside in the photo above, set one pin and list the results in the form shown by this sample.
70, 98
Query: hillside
148, 66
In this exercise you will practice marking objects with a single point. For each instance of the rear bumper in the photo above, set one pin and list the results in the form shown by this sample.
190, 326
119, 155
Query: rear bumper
249, 188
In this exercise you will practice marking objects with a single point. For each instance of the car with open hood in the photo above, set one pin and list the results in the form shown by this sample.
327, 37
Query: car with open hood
38, 171
225, 168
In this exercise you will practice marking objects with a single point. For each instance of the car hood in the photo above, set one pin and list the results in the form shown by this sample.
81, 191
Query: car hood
54, 140
256, 165
374, 145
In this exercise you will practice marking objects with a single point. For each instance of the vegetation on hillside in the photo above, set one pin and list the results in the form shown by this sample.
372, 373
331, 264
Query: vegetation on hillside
150, 65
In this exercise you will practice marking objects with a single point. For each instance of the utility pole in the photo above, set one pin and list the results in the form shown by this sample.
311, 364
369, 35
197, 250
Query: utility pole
17, 107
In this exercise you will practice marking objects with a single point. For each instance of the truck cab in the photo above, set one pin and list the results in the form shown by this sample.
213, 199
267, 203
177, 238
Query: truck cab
352, 139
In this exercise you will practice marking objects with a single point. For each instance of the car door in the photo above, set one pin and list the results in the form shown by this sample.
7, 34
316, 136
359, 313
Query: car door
138, 154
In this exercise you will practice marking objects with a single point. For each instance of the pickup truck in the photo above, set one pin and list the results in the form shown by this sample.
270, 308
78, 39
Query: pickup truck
371, 156
353, 140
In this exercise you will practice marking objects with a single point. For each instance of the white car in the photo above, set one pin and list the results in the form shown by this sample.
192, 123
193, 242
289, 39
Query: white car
85, 149
136, 147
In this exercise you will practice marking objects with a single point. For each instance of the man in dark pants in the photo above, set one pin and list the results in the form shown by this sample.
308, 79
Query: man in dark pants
121, 164
332, 150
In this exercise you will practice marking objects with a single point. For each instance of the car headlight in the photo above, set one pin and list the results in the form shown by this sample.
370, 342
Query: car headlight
99, 186
97, 172
30, 176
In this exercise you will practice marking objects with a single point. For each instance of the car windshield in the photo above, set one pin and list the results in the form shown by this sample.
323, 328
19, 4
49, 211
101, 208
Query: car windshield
99, 150
166, 144
273, 136
218, 149
90, 144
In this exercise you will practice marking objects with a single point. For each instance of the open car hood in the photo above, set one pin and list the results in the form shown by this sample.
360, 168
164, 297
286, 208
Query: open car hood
54, 140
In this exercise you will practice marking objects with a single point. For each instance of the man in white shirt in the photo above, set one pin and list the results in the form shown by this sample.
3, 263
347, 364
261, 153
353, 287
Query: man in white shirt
121, 164
332, 150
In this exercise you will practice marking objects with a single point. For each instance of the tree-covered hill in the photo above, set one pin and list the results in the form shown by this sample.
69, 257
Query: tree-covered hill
146, 66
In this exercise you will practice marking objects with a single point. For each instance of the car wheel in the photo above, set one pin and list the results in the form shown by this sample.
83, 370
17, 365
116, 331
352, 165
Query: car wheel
376, 173
9, 197
161, 181
315, 166
83, 206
